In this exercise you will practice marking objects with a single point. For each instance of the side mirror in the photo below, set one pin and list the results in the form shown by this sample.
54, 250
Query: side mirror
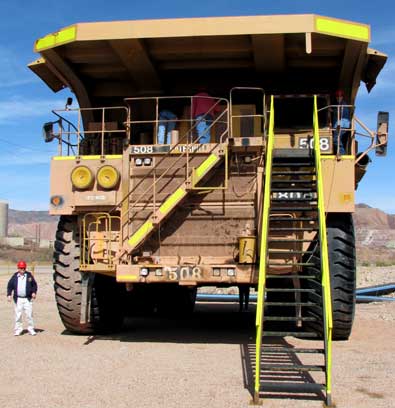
48, 132
382, 133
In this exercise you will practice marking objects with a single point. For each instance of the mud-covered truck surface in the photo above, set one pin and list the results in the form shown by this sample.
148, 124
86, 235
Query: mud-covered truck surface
156, 198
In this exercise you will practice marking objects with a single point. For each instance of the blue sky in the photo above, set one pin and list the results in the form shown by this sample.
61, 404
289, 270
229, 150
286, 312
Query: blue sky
26, 102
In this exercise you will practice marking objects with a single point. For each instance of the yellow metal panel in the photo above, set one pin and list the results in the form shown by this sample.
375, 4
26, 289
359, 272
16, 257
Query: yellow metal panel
141, 233
172, 201
63, 158
61, 37
205, 166
126, 278
342, 28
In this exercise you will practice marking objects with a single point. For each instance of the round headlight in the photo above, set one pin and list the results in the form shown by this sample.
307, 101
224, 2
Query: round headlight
81, 177
107, 177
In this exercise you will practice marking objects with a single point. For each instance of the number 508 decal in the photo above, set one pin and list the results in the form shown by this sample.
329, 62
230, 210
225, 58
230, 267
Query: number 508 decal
306, 142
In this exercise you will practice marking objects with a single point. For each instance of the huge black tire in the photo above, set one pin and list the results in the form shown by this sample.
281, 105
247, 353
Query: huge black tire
106, 312
342, 265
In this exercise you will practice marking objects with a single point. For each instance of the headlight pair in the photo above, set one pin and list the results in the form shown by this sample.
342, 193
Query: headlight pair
82, 177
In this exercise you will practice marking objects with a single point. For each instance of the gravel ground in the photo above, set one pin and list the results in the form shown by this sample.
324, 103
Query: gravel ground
172, 363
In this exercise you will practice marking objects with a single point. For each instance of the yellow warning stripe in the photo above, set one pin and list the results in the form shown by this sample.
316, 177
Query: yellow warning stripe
52, 40
342, 28
126, 278
343, 157
205, 166
142, 232
172, 201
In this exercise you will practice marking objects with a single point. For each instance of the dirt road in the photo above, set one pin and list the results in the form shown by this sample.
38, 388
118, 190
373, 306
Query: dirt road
175, 363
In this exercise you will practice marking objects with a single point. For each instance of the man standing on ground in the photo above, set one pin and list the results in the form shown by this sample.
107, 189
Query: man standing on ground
24, 289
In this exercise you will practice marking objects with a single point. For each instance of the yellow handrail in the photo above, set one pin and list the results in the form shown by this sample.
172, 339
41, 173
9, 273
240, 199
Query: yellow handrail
263, 251
326, 284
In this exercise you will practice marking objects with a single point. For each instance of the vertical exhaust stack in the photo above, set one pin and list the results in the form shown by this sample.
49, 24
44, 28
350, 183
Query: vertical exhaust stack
3, 219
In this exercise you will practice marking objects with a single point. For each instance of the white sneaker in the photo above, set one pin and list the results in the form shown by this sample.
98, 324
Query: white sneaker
17, 332
32, 332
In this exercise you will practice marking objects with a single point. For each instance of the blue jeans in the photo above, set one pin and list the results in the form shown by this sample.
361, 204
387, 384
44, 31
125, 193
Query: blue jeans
203, 128
166, 125
343, 133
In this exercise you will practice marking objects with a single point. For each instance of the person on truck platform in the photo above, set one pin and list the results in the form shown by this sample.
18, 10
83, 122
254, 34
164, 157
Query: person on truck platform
204, 107
342, 124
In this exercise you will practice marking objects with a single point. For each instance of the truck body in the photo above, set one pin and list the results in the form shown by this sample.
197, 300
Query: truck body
160, 220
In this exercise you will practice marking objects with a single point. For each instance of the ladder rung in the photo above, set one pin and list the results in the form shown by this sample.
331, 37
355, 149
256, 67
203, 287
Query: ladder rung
288, 387
291, 240
293, 164
288, 290
289, 219
276, 208
293, 181
271, 251
279, 350
293, 275
290, 333
299, 172
291, 264
294, 229
281, 367
293, 190
305, 304
288, 319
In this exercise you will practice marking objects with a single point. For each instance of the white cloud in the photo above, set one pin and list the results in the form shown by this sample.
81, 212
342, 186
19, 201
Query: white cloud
13, 70
18, 108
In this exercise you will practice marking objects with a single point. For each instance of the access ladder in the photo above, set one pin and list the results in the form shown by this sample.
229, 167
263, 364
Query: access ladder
294, 287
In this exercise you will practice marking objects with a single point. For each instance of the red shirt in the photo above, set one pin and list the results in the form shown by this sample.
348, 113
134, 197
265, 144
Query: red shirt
202, 104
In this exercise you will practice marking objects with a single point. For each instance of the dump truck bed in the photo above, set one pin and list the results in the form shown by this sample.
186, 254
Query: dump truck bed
104, 62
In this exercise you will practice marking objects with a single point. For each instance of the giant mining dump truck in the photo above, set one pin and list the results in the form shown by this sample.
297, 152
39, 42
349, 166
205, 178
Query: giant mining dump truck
157, 197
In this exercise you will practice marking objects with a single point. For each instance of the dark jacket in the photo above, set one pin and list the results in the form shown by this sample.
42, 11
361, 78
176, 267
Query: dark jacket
31, 286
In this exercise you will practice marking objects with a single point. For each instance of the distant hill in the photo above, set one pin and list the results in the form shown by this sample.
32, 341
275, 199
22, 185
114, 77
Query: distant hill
375, 231
26, 217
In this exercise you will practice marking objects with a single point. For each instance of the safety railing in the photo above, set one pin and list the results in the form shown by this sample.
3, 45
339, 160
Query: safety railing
348, 129
261, 116
89, 131
191, 146
325, 273
263, 250
96, 233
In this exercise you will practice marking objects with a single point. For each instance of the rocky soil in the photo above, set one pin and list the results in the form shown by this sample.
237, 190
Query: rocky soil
202, 361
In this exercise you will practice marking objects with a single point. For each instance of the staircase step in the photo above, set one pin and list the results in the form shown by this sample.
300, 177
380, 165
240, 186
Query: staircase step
288, 387
291, 240
293, 190
297, 153
288, 319
290, 367
285, 252
292, 276
293, 181
298, 172
286, 350
289, 219
293, 229
306, 164
304, 304
290, 209
289, 290
290, 333
290, 264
